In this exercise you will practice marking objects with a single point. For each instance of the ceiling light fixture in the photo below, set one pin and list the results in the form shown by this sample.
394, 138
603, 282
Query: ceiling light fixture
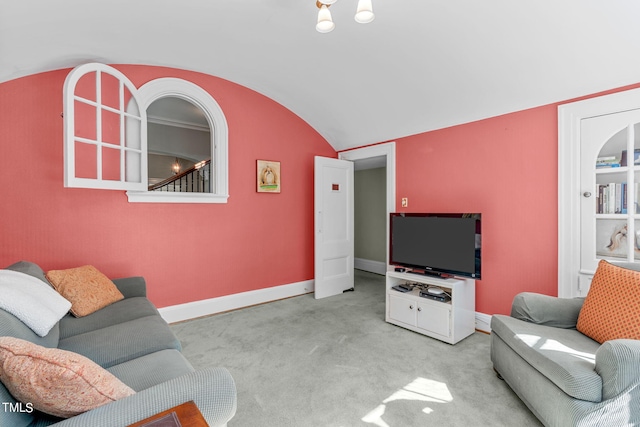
325, 23
364, 14
175, 167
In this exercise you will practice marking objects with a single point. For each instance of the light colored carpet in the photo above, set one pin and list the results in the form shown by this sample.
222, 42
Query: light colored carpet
336, 362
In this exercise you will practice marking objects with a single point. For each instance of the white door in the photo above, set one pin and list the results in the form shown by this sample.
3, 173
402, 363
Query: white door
575, 122
608, 192
333, 211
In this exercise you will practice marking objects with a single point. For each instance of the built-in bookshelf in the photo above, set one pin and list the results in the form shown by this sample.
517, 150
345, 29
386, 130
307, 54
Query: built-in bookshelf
617, 191
593, 135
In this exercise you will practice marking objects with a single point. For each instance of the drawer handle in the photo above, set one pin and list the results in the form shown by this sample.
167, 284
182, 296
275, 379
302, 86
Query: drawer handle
410, 307
419, 308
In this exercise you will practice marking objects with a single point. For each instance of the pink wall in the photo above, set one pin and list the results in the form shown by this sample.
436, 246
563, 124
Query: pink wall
506, 168
186, 252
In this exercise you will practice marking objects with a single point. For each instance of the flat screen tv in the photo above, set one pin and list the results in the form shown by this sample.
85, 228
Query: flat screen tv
441, 243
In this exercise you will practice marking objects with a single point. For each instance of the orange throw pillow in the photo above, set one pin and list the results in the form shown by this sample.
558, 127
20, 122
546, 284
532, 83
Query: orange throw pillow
611, 309
87, 288
54, 381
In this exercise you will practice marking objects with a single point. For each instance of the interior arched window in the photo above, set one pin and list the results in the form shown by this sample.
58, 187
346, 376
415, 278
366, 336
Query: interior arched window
107, 130
178, 147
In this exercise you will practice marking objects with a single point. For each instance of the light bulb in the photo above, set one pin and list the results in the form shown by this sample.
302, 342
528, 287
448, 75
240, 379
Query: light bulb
364, 13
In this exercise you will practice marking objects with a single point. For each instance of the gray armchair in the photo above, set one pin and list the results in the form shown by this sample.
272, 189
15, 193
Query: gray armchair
563, 376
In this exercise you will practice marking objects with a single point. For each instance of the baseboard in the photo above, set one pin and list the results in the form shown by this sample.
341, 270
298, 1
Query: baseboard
483, 322
192, 310
377, 267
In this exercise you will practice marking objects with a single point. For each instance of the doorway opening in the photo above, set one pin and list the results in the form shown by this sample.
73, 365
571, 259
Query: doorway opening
374, 200
370, 215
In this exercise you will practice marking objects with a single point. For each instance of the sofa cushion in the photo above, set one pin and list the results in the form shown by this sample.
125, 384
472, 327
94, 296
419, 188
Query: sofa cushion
11, 326
119, 312
123, 342
134, 286
565, 356
31, 269
87, 288
54, 381
143, 372
611, 309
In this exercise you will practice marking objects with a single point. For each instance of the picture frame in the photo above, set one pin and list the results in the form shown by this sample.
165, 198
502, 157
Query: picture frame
268, 176
611, 239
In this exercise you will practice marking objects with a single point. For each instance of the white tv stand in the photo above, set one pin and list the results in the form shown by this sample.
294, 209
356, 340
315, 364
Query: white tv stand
447, 321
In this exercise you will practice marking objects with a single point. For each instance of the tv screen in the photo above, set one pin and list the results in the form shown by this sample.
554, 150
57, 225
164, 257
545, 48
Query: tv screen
448, 243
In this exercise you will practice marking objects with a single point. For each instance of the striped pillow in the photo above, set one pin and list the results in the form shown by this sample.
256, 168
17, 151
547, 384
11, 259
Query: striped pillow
611, 309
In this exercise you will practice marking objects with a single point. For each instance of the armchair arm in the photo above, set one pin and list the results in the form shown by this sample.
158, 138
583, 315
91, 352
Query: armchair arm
213, 391
132, 286
617, 363
547, 310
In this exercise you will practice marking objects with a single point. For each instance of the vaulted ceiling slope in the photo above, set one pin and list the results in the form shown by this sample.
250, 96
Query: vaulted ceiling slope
420, 65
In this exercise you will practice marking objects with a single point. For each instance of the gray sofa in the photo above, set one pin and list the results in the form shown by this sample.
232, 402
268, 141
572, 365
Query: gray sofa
564, 377
131, 340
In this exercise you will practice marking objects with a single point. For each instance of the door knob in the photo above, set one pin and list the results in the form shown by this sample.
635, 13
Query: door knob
587, 194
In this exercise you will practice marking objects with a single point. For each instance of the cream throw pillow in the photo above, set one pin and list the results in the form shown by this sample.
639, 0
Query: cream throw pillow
57, 382
87, 288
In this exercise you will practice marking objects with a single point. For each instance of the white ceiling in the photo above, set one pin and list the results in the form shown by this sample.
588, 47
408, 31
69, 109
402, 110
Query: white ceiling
421, 65
177, 112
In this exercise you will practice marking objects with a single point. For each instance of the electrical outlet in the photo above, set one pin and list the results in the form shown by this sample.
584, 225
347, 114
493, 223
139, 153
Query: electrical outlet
405, 202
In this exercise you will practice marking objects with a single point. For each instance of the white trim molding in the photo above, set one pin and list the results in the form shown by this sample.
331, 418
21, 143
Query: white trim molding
192, 310
377, 267
483, 322
388, 150
569, 193
178, 88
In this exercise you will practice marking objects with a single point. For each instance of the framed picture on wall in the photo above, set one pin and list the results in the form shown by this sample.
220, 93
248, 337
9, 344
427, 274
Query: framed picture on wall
268, 176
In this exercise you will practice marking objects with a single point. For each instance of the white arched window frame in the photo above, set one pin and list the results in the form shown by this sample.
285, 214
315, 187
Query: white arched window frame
105, 131
172, 87
133, 141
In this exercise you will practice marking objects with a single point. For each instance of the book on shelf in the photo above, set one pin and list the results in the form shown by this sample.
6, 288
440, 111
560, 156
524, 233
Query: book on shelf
607, 162
612, 198
636, 157
607, 165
